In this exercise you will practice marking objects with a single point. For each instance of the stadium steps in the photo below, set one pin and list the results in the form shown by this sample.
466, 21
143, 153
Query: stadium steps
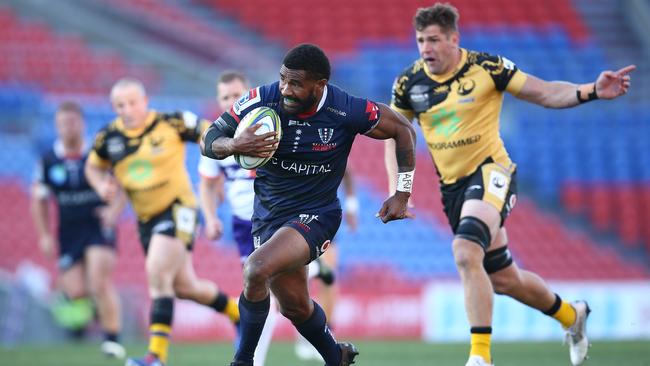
610, 27
35, 55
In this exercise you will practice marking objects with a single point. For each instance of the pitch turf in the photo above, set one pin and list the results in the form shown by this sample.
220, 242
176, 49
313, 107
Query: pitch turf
372, 354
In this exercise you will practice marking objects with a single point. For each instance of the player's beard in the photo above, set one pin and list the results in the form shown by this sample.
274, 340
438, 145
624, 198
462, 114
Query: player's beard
303, 105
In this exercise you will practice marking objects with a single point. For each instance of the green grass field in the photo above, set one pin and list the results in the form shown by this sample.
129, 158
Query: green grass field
372, 354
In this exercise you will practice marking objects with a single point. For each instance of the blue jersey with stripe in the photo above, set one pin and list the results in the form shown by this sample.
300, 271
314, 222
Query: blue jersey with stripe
307, 168
65, 178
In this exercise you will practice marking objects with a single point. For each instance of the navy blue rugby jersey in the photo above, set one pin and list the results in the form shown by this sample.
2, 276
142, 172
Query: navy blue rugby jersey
64, 177
307, 168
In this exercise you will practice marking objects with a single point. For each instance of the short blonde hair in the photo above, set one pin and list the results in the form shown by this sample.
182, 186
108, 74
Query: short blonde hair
126, 82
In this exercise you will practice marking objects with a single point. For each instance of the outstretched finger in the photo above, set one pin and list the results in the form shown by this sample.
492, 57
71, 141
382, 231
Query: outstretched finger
626, 70
409, 215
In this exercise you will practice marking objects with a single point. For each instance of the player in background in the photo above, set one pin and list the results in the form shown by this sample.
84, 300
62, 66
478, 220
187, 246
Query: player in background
86, 224
456, 95
145, 151
296, 211
224, 179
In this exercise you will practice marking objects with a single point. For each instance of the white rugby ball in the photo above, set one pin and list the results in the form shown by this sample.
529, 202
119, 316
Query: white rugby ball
270, 122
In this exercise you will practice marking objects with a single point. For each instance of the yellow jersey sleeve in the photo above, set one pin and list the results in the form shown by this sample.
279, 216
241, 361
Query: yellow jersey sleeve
188, 125
98, 156
399, 99
516, 82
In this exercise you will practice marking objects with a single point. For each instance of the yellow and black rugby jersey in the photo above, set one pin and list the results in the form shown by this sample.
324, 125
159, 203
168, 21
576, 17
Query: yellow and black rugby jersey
459, 111
149, 162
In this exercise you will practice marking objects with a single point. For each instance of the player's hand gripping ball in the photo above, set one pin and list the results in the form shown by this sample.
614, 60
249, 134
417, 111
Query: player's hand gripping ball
270, 122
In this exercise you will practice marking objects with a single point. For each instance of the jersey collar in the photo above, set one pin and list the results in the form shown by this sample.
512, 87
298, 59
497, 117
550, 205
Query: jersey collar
444, 77
134, 132
60, 152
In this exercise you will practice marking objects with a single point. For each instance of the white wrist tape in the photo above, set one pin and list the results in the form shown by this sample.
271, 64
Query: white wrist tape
405, 181
351, 205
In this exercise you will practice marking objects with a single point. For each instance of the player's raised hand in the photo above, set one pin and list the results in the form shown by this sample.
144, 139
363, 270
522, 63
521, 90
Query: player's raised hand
250, 144
395, 208
612, 84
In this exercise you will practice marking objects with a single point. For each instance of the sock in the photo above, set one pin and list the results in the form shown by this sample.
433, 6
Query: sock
563, 312
251, 322
316, 331
481, 343
162, 311
111, 337
226, 305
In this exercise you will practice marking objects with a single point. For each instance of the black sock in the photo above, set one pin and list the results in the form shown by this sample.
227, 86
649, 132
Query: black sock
111, 337
220, 302
252, 316
316, 331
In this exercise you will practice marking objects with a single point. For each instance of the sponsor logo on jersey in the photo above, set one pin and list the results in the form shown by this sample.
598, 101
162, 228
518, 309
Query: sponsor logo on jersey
115, 146
323, 147
466, 87
474, 187
498, 185
163, 226
191, 120
140, 170
301, 168
57, 174
247, 100
511, 203
445, 122
323, 248
336, 111
298, 123
454, 144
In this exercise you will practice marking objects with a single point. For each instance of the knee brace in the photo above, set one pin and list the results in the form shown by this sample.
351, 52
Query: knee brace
497, 260
473, 229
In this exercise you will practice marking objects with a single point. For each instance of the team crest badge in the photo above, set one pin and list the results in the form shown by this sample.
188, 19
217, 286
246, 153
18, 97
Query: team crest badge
325, 134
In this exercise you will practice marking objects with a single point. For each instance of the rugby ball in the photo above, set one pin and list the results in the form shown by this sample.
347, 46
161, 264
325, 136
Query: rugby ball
270, 122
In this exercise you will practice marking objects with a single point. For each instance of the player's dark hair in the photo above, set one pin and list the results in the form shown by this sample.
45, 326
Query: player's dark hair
230, 76
70, 106
310, 58
443, 15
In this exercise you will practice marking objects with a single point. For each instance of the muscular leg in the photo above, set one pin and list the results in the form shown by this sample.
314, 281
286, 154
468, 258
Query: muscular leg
468, 255
100, 261
165, 259
529, 288
188, 286
524, 286
285, 251
292, 292
73, 281
327, 294
75, 312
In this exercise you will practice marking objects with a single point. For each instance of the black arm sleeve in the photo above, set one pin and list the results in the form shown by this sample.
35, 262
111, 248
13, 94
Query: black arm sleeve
224, 126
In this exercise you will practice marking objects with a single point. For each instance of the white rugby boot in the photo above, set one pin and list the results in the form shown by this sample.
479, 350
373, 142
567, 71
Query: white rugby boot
576, 335
477, 361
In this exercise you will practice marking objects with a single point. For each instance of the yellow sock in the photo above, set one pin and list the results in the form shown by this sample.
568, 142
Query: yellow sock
232, 310
566, 314
481, 346
159, 340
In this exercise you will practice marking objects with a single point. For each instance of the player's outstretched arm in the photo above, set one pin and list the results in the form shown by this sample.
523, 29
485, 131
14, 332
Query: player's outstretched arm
393, 125
209, 199
562, 94
102, 181
218, 141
